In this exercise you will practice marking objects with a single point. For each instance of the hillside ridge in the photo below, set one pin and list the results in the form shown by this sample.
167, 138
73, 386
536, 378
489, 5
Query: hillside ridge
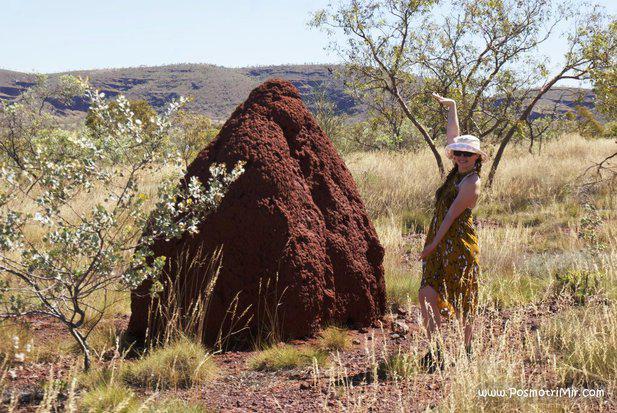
217, 90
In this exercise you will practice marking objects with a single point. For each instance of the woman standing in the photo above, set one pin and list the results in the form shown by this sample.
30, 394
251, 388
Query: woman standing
450, 267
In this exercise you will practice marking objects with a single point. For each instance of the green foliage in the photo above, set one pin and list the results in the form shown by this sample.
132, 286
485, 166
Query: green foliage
400, 287
590, 222
139, 110
588, 125
181, 364
415, 221
579, 284
403, 51
604, 76
610, 129
192, 133
286, 357
75, 205
62, 89
99, 376
605, 85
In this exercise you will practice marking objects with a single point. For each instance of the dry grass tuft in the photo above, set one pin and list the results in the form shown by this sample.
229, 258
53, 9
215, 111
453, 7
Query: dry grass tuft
285, 357
334, 339
177, 406
109, 398
585, 341
181, 364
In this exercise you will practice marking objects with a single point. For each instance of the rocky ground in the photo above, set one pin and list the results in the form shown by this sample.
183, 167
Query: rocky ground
347, 383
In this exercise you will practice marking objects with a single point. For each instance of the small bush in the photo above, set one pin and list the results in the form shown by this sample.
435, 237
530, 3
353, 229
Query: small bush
415, 222
286, 357
399, 366
182, 364
334, 338
579, 284
109, 398
610, 129
588, 125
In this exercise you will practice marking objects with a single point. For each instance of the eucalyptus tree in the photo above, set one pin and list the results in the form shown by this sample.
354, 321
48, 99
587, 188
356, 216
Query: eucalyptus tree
605, 78
325, 110
605, 88
483, 53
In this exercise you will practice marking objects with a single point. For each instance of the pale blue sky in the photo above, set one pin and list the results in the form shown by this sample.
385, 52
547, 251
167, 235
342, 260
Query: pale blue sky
58, 35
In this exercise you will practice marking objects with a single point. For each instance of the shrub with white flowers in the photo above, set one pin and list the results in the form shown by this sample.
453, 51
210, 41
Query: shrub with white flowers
74, 206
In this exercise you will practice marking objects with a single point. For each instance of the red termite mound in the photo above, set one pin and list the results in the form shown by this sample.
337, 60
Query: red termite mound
298, 249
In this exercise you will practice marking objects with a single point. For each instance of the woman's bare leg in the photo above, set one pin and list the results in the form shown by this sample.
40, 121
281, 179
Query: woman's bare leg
430, 310
468, 332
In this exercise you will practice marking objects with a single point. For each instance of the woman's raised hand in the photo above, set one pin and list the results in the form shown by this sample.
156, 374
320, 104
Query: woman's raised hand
448, 103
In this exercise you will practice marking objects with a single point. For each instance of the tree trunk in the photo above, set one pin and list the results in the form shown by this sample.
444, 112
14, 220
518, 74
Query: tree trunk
522, 117
425, 135
83, 345
502, 147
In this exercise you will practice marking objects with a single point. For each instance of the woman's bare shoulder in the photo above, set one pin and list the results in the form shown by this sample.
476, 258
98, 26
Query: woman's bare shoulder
471, 183
475, 179
471, 179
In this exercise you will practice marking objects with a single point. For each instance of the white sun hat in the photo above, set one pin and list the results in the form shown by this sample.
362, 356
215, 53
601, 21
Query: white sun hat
466, 143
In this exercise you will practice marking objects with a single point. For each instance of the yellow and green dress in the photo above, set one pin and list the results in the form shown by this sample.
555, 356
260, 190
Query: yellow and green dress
453, 268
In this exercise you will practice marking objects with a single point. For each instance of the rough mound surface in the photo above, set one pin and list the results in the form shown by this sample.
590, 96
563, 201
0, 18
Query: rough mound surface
298, 249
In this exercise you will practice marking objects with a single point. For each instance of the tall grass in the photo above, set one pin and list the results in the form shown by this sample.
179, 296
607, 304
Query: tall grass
532, 213
535, 249
585, 342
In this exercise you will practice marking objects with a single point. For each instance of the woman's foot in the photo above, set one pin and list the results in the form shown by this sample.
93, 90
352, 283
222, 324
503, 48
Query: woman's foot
432, 361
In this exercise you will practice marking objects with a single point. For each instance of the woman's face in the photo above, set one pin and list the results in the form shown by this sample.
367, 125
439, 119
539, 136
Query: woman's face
466, 163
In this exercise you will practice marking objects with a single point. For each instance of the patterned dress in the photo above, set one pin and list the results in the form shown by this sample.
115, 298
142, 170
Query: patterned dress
453, 269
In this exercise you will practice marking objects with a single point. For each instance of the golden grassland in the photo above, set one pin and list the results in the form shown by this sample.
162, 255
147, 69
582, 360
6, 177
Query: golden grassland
529, 222
545, 241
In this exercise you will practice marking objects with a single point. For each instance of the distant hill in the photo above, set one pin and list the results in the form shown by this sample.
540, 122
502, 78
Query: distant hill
217, 90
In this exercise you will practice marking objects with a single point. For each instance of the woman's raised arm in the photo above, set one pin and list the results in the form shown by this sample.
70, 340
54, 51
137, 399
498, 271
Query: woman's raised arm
452, 130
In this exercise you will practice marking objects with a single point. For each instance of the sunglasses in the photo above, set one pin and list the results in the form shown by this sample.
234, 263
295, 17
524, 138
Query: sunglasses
463, 153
